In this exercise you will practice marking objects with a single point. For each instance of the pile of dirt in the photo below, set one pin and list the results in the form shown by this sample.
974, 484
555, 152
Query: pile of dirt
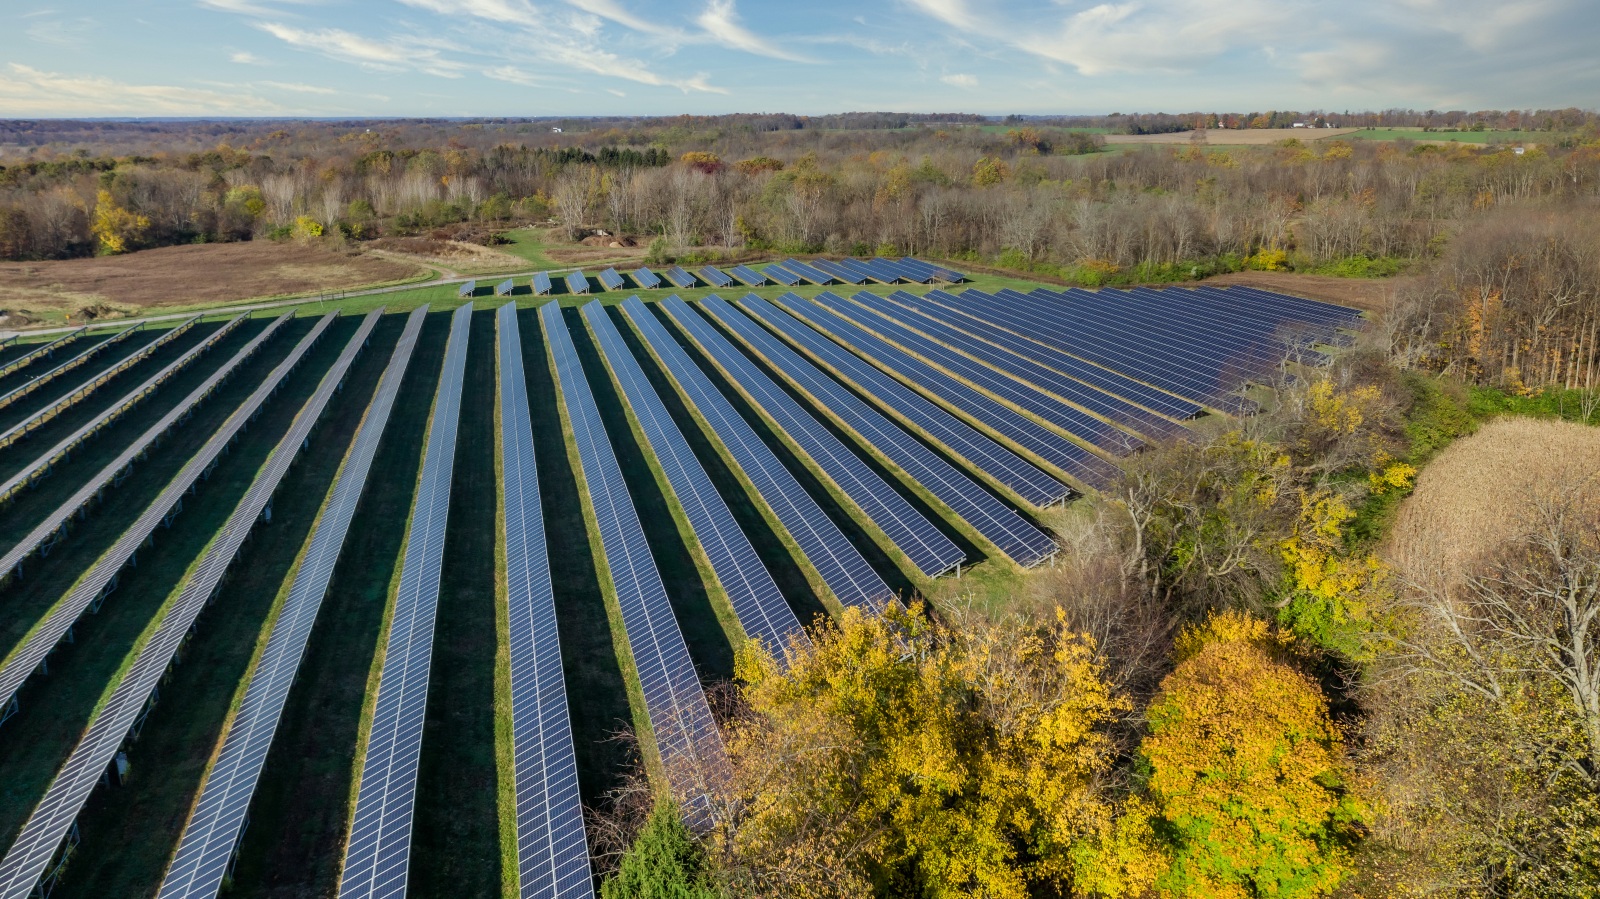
610, 241
1476, 496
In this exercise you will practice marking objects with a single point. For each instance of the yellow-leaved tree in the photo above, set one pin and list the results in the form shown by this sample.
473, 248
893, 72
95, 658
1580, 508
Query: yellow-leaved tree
900, 757
1246, 770
114, 227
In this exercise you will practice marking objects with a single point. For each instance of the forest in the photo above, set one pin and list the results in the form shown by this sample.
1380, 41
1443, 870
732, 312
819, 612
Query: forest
1322, 651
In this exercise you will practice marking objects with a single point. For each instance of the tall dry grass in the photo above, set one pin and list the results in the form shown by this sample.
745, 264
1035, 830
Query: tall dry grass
1476, 496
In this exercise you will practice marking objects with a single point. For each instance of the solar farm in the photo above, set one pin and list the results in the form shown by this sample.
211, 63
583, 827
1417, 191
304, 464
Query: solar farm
356, 604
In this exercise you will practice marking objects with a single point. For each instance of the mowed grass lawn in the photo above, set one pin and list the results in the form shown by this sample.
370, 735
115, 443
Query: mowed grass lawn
1464, 137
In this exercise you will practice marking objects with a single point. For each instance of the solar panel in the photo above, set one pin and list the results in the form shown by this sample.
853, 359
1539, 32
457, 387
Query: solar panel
996, 521
52, 818
38, 419
646, 279
45, 532
552, 851
40, 467
504, 288
1045, 444
680, 277
1005, 466
839, 272
577, 283
906, 273
691, 748
748, 276
930, 550
75, 362
377, 854
611, 279
984, 327
205, 849
715, 277
806, 272
781, 275
752, 592
870, 271
467, 289
44, 351
934, 272
541, 284
1045, 391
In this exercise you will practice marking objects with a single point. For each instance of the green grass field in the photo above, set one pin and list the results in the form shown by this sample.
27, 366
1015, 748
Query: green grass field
1464, 137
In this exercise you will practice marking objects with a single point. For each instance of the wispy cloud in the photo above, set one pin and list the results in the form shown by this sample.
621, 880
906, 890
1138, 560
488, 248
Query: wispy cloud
960, 80
28, 91
245, 58
615, 12
721, 21
392, 55
298, 88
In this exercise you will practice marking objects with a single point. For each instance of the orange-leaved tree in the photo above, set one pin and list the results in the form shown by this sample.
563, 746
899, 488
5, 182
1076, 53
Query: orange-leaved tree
1246, 770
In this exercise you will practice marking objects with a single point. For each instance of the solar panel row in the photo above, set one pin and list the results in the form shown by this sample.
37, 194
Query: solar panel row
839, 272
754, 595
715, 277
467, 289
611, 279
46, 530
1003, 465
552, 852
1050, 446
686, 735
996, 521
23, 428
541, 284
42, 465
377, 853
81, 359
841, 566
806, 272
48, 825
101, 577
204, 854
678, 276
577, 283
748, 276
929, 549
504, 288
781, 275
646, 279
44, 351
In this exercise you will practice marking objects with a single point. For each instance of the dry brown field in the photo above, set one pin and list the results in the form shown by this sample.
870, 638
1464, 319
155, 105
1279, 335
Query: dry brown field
1242, 137
1476, 495
183, 276
1367, 294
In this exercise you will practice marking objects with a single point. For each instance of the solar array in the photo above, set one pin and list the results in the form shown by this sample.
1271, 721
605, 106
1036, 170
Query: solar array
1050, 446
41, 466
552, 852
691, 749
646, 279
377, 853
965, 441
83, 358
467, 289
504, 288
46, 531
752, 592
929, 549
715, 277
541, 284
844, 571
838, 272
997, 522
205, 849
577, 283
44, 351
807, 273
781, 275
611, 279
102, 576
678, 276
38, 419
52, 818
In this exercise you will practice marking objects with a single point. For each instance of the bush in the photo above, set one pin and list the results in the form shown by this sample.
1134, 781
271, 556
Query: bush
664, 862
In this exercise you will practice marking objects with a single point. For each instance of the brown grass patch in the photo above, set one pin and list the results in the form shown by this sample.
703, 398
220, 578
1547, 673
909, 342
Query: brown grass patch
1475, 496
580, 254
449, 254
186, 276
1244, 137
1368, 294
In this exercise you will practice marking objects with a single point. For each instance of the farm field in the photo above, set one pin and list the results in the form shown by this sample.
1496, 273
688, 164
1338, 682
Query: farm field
1462, 137
1242, 137
983, 436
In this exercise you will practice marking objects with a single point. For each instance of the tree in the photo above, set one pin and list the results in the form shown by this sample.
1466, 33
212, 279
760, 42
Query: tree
989, 171
1247, 770
902, 757
664, 862
116, 228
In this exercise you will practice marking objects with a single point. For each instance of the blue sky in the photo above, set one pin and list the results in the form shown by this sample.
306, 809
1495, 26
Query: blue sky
575, 57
